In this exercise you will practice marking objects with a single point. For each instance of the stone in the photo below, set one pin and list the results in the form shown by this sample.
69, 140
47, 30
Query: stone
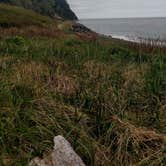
77, 27
62, 155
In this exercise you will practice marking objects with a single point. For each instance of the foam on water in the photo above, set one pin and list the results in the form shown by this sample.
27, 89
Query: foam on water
127, 38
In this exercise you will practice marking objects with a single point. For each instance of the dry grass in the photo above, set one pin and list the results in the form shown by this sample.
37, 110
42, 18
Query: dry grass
131, 144
5, 60
96, 70
65, 85
133, 76
32, 31
28, 73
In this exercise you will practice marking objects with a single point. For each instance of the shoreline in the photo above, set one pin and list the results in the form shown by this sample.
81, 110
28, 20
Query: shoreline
129, 29
150, 41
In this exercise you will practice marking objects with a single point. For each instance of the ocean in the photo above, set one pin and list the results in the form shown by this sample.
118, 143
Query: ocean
132, 29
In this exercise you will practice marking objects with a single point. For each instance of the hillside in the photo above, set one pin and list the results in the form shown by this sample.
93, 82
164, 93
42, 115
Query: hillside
17, 16
105, 96
50, 8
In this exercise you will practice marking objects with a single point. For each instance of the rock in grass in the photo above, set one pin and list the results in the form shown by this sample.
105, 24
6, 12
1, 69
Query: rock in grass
62, 155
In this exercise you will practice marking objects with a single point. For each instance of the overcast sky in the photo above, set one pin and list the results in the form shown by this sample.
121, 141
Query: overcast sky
118, 8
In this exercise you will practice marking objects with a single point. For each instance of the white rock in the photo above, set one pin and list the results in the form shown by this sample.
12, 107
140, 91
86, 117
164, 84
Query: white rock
62, 155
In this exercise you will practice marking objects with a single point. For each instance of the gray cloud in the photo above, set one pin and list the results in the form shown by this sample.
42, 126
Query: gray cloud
118, 8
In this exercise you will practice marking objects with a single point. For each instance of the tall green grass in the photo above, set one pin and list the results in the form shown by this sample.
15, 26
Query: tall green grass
100, 95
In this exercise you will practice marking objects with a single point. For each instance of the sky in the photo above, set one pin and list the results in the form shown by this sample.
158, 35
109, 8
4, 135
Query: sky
118, 8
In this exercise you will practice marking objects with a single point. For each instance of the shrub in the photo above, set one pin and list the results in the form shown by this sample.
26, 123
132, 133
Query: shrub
16, 40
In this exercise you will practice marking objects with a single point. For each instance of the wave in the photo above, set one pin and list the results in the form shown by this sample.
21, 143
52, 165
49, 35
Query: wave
151, 41
127, 38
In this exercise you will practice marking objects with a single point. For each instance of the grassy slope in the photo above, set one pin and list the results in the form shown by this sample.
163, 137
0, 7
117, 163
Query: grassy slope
16, 16
49, 8
106, 97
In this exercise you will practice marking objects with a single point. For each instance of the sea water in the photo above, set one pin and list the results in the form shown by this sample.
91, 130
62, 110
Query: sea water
129, 28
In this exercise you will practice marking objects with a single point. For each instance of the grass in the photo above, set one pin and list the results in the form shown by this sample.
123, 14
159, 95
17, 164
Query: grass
17, 16
105, 96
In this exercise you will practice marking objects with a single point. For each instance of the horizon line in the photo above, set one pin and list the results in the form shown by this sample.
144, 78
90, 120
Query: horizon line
152, 17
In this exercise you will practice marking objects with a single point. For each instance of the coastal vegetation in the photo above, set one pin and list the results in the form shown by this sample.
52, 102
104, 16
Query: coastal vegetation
52, 8
107, 97
16, 16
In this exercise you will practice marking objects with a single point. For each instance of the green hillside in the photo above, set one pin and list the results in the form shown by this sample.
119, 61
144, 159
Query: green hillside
50, 8
17, 16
